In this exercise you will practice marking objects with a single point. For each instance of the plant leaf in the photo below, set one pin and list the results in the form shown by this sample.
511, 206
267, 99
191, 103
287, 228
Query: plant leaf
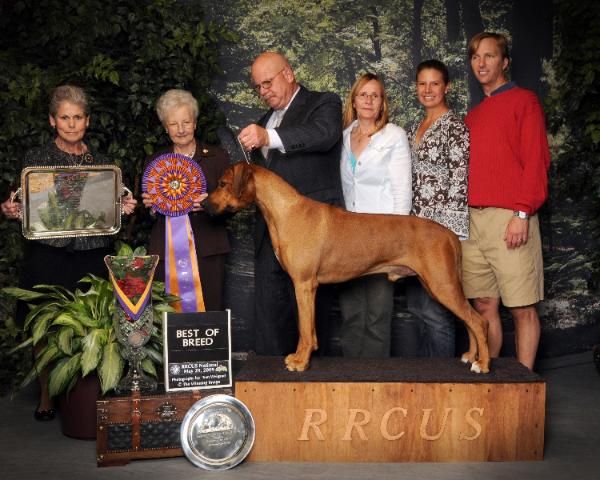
40, 327
68, 320
163, 307
49, 353
124, 250
78, 307
63, 292
62, 374
111, 367
31, 375
64, 340
23, 294
38, 309
21, 345
90, 278
154, 355
92, 291
105, 299
92, 350
72, 383
148, 367
87, 321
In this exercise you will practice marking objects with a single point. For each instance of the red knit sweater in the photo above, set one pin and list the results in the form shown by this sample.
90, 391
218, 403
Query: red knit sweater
509, 152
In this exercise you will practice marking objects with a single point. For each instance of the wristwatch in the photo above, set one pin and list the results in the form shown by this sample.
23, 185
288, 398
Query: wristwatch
521, 214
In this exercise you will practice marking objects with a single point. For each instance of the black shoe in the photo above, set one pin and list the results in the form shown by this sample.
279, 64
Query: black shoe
44, 415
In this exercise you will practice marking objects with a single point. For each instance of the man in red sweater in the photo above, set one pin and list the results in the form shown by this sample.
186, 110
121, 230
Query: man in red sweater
507, 185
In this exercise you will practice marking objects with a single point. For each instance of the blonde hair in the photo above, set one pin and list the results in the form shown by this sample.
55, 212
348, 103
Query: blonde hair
71, 94
500, 40
175, 98
350, 111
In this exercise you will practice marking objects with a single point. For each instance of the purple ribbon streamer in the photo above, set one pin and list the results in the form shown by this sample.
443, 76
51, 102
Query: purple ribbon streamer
183, 261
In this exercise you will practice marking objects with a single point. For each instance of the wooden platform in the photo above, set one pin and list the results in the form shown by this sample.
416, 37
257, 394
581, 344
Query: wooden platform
393, 410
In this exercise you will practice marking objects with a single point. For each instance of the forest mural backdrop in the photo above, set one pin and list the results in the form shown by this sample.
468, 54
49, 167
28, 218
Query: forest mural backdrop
125, 53
330, 42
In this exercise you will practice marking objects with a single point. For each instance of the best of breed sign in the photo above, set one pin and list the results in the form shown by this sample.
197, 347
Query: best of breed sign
197, 350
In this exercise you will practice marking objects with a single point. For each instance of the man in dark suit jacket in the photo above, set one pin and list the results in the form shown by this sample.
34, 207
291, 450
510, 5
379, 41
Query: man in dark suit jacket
299, 138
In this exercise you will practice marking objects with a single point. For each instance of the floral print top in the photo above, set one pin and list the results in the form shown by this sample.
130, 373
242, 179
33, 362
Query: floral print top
440, 170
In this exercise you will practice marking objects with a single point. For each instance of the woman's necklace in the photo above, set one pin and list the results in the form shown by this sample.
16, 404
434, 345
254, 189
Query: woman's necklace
76, 154
360, 134
190, 154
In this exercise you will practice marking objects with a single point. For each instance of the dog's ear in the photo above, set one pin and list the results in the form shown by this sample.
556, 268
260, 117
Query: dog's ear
241, 174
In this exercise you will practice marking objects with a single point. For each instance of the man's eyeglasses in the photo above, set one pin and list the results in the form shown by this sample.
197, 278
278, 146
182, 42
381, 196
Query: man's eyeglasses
266, 84
364, 96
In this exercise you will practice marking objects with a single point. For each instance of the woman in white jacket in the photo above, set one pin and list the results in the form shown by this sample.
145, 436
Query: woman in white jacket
376, 178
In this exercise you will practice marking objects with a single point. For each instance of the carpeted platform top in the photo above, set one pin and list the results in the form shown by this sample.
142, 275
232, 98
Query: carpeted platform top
406, 370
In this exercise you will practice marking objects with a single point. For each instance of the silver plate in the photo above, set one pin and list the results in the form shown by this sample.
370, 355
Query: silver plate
64, 201
217, 433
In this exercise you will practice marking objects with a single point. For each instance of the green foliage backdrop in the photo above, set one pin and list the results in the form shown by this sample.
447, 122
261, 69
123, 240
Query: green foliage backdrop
573, 110
124, 53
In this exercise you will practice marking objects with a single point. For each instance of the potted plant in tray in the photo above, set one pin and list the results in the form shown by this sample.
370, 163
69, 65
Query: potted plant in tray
81, 342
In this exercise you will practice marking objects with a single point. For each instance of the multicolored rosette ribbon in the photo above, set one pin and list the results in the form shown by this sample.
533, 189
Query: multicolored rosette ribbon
173, 181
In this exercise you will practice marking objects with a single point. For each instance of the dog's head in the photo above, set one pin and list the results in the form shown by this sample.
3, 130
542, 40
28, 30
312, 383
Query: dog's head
234, 191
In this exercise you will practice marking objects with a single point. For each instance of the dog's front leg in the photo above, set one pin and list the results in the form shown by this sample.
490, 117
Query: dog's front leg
307, 343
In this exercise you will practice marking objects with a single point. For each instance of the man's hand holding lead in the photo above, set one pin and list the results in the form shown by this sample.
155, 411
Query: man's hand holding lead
253, 137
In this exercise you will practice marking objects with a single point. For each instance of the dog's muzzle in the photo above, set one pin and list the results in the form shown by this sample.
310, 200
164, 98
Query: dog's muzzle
212, 210
208, 207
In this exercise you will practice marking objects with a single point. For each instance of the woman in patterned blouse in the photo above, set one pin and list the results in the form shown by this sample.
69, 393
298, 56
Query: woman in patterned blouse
440, 156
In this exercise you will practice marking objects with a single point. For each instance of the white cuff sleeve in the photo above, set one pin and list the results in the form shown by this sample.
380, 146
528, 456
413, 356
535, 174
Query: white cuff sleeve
274, 140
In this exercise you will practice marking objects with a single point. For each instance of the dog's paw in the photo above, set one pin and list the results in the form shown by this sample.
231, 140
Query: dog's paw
480, 367
469, 357
294, 363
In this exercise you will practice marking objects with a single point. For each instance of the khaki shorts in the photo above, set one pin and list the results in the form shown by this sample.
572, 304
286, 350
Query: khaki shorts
491, 269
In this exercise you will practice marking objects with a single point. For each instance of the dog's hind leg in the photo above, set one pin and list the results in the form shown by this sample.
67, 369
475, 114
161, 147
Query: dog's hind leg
477, 328
470, 356
478, 353
307, 342
447, 290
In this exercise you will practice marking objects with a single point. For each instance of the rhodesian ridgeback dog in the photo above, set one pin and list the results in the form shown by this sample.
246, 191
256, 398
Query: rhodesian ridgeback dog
318, 243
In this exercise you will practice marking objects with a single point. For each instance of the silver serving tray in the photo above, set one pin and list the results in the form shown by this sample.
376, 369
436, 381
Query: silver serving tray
66, 201
217, 432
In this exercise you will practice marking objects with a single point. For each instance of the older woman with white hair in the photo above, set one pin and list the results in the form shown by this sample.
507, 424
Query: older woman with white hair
178, 112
